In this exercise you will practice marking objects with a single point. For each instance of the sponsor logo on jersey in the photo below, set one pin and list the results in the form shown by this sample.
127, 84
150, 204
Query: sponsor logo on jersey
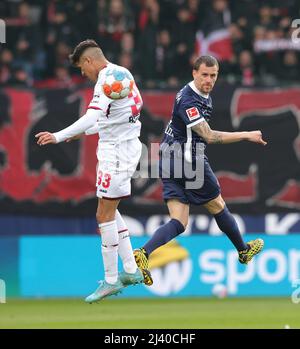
192, 113
133, 119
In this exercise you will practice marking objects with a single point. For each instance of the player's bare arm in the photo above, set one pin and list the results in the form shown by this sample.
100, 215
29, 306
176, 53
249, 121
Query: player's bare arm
219, 137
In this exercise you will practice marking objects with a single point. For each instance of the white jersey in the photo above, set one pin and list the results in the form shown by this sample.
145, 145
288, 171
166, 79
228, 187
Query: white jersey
119, 118
119, 148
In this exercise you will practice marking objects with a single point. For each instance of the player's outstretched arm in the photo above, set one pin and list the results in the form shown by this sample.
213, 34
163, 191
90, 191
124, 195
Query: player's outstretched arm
48, 138
80, 126
219, 137
90, 131
93, 130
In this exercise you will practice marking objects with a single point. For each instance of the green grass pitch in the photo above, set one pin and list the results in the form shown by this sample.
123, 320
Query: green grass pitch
163, 313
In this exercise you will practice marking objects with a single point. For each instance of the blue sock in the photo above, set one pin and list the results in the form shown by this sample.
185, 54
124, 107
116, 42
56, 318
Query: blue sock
228, 225
164, 234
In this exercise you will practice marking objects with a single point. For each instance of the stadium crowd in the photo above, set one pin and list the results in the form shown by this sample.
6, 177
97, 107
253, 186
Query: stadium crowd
156, 39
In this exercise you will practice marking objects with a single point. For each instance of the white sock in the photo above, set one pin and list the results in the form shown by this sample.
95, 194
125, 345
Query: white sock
125, 248
109, 249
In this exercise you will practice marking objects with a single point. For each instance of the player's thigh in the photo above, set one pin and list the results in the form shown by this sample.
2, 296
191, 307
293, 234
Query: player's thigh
106, 210
179, 211
216, 205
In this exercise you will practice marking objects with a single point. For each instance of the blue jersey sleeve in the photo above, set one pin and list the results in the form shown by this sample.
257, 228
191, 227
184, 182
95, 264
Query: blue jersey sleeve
190, 114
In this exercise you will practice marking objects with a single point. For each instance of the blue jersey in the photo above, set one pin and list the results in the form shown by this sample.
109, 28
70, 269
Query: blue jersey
189, 109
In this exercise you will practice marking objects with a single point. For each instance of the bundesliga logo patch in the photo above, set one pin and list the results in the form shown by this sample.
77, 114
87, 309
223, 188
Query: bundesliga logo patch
192, 113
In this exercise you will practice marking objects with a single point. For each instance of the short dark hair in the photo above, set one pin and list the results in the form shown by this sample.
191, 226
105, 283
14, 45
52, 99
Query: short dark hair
80, 48
209, 61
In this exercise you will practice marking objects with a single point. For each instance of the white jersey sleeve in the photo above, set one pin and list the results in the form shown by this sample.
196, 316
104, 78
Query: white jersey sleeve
92, 130
88, 123
80, 126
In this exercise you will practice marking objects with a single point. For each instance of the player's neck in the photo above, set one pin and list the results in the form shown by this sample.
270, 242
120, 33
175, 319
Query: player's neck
194, 88
102, 65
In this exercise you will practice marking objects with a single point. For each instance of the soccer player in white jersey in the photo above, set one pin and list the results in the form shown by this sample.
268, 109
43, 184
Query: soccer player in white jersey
118, 153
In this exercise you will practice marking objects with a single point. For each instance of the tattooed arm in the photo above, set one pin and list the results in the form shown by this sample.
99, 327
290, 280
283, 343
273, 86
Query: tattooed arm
218, 137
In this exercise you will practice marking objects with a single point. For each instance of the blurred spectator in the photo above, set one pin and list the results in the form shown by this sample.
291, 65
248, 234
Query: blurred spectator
59, 35
62, 52
289, 69
197, 13
125, 60
165, 62
62, 77
20, 78
266, 18
6, 60
214, 35
24, 56
148, 24
126, 57
245, 69
237, 38
82, 17
115, 19
218, 16
184, 41
267, 61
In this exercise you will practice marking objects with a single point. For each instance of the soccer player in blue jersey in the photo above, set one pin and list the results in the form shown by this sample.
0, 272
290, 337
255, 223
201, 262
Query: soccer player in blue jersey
187, 130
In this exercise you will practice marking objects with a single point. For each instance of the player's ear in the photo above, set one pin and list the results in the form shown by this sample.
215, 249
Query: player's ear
86, 59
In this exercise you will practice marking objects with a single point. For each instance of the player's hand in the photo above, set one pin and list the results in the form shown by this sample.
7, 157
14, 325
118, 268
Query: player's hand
256, 137
45, 138
74, 138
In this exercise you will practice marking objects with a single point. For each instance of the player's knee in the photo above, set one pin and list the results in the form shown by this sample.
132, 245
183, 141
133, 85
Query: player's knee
104, 217
184, 222
216, 206
98, 217
219, 207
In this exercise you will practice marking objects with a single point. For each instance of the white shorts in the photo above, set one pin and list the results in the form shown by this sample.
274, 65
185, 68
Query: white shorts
117, 163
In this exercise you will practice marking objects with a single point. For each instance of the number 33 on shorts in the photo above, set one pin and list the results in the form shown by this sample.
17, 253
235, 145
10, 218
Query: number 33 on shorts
103, 179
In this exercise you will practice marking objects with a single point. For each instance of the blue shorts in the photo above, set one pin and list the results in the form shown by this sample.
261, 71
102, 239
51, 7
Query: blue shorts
174, 188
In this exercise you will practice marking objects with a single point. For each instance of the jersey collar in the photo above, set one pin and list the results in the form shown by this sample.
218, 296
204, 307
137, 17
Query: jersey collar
194, 88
